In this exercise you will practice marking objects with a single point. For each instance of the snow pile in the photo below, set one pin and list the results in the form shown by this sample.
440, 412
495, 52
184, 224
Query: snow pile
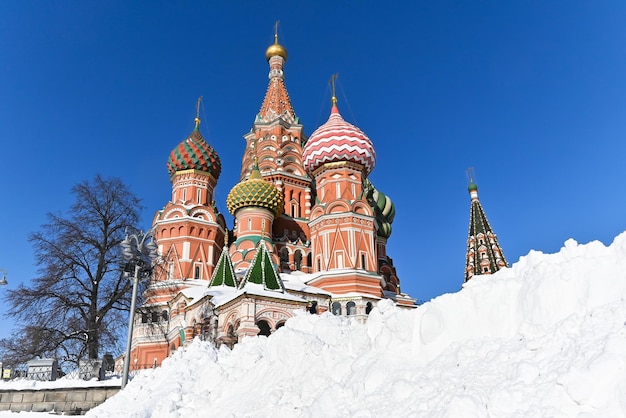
546, 337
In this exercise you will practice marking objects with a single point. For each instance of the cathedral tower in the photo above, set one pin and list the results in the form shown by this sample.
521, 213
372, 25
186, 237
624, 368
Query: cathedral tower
484, 254
343, 227
190, 229
276, 140
254, 203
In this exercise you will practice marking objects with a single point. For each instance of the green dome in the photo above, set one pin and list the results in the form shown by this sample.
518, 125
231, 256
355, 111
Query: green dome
383, 207
255, 192
472, 187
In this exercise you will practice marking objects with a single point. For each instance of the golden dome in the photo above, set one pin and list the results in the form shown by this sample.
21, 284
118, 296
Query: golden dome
276, 49
255, 191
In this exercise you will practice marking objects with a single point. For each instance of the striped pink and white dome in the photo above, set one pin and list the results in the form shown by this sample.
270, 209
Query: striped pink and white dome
338, 140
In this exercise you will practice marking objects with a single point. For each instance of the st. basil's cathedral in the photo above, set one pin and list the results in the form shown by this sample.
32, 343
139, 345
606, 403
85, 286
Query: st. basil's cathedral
310, 233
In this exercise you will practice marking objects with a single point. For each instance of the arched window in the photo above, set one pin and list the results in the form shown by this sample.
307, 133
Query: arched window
264, 328
313, 307
351, 308
297, 259
368, 308
336, 308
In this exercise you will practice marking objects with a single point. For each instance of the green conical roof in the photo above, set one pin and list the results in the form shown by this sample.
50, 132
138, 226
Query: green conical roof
224, 273
262, 271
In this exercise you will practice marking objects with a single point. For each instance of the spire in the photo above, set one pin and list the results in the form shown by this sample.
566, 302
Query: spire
197, 119
224, 273
484, 254
332, 86
276, 103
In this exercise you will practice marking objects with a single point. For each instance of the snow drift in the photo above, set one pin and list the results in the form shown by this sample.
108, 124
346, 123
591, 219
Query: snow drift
546, 337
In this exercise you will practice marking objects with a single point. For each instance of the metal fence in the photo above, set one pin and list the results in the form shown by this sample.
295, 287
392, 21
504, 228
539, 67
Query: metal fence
81, 372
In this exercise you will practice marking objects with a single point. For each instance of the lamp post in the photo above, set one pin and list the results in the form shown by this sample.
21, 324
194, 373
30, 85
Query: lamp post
3, 280
139, 249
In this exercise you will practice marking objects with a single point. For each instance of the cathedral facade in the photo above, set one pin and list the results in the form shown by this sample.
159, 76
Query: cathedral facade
310, 232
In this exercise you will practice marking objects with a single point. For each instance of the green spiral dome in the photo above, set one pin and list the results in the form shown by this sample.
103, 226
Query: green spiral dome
383, 207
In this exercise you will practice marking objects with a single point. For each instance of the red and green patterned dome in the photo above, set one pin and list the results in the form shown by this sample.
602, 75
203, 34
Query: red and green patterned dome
255, 191
194, 153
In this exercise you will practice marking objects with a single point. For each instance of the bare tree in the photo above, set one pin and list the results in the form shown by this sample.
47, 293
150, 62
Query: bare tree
78, 304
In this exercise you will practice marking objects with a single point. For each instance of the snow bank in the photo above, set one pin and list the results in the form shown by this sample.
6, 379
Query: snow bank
546, 337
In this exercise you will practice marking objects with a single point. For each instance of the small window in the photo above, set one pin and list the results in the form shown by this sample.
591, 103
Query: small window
155, 317
313, 307
199, 196
249, 224
363, 264
184, 195
319, 265
336, 308
368, 308
340, 260
351, 308
197, 272
144, 318
485, 269
164, 315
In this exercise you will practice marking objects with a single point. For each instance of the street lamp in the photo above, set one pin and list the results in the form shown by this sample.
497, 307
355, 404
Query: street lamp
140, 250
3, 280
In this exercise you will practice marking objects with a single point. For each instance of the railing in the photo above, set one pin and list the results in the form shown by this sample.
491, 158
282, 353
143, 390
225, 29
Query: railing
82, 372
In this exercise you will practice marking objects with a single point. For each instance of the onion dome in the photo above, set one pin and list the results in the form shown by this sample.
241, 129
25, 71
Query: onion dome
255, 191
383, 207
473, 190
338, 140
194, 153
276, 49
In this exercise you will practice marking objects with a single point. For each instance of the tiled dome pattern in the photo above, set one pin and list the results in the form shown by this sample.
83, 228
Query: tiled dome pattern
194, 153
255, 192
338, 140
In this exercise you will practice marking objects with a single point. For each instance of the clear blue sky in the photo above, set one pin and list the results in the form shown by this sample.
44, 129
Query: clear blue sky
532, 94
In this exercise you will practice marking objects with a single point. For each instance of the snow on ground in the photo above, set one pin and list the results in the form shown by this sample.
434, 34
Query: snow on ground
545, 338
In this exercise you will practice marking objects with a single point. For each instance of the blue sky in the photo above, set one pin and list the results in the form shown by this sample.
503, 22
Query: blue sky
532, 94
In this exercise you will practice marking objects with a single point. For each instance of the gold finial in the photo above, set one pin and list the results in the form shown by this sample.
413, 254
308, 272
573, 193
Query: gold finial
332, 86
255, 157
276, 49
276, 31
197, 120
